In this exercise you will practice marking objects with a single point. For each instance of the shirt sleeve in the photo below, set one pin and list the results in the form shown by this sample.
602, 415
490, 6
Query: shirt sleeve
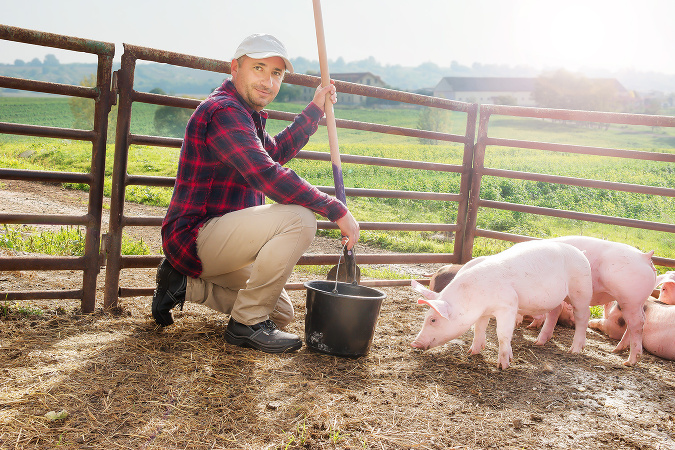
232, 137
284, 146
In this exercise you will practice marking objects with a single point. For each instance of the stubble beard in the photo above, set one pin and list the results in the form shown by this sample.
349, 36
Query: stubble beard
255, 100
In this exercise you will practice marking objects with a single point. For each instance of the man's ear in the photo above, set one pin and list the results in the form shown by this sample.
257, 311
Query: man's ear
234, 67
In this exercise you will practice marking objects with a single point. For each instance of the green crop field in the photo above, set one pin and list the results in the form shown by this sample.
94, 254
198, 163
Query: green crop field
62, 155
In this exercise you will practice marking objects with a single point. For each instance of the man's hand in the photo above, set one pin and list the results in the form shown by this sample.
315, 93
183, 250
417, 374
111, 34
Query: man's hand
349, 228
321, 92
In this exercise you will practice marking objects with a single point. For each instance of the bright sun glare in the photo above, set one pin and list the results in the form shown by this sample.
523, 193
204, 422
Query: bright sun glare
589, 34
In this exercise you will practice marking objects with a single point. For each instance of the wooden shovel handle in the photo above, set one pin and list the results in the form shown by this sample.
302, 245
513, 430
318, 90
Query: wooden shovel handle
330, 114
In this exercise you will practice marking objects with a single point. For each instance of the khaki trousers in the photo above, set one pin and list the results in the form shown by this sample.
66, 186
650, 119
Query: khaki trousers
247, 257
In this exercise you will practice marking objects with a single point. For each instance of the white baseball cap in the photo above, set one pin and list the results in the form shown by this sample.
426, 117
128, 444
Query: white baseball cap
260, 46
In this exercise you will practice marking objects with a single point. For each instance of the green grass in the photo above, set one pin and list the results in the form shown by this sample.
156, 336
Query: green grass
68, 241
62, 155
50, 111
14, 310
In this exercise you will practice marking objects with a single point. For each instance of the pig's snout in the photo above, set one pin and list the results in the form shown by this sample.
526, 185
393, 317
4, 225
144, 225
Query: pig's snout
419, 345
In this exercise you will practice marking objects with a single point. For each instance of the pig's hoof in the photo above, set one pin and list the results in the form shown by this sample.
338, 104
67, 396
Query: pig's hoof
577, 348
475, 351
620, 347
631, 362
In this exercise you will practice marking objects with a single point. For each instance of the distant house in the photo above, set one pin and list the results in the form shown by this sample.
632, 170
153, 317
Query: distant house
487, 90
509, 91
365, 78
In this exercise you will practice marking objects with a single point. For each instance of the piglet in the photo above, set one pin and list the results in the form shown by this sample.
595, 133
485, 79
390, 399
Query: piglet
622, 273
531, 277
443, 276
667, 293
566, 318
658, 334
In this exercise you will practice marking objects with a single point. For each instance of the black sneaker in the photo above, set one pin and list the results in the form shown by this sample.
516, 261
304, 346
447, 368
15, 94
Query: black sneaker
263, 336
170, 291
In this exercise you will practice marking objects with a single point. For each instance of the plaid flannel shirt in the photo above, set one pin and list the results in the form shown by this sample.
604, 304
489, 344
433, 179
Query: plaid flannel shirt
228, 162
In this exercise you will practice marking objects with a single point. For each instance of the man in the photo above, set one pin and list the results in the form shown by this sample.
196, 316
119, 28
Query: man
224, 247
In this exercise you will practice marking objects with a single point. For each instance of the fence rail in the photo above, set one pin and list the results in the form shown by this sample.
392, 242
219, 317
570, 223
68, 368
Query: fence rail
91, 262
118, 88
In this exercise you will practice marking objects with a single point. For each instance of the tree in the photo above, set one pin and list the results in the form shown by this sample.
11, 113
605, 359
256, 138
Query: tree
652, 106
565, 90
171, 121
19, 62
289, 93
83, 110
434, 119
50, 60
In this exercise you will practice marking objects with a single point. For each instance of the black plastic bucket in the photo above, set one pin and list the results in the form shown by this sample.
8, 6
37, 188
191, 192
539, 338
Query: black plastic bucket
341, 323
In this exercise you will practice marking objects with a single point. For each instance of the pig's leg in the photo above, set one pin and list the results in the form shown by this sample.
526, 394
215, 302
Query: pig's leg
635, 319
505, 324
537, 321
549, 324
581, 316
479, 331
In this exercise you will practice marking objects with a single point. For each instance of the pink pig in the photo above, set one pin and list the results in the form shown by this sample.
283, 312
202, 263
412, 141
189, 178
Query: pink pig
443, 276
531, 277
622, 273
658, 335
566, 318
667, 282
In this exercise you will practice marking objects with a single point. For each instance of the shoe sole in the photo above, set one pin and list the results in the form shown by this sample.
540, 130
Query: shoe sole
243, 341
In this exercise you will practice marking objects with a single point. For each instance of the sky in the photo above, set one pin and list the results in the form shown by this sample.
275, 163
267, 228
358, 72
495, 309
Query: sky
543, 34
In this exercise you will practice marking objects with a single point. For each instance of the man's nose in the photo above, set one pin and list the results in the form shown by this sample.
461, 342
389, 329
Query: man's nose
268, 80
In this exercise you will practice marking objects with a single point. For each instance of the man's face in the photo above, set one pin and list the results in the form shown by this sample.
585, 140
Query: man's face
258, 80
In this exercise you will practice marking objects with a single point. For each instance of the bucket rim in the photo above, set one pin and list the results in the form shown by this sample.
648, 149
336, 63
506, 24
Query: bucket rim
381, 295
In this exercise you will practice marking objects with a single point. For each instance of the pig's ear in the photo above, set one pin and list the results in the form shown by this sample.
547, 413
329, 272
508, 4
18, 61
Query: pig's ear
427, 293
659, 280
666, 277
439, 306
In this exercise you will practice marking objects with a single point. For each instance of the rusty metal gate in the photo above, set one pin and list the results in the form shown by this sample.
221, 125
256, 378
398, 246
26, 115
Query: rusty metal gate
479, 170
471, 171
121, 179
90, 262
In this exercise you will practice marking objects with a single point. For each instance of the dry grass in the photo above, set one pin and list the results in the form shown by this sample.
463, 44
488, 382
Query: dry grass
127, 384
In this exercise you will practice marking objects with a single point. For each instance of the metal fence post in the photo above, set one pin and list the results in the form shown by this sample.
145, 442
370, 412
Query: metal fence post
125, 82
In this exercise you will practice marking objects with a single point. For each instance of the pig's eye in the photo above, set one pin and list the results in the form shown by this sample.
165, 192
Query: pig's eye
433, 320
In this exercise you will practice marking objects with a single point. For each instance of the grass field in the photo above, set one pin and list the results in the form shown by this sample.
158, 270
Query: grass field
55, 154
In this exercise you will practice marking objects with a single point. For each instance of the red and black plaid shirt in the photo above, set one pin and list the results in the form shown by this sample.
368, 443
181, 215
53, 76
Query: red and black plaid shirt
228, 162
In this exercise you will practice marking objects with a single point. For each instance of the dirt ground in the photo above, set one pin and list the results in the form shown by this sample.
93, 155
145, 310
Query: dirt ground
115, 380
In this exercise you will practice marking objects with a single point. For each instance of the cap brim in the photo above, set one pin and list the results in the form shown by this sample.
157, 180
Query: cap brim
263, 55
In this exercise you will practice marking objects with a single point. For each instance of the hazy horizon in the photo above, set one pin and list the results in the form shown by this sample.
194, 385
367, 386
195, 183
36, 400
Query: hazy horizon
575, 35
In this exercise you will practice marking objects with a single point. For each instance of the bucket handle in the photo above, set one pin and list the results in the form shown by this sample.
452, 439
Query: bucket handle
335, 291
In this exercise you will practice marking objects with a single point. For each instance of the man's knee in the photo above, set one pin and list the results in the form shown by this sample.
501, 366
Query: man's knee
305, 216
